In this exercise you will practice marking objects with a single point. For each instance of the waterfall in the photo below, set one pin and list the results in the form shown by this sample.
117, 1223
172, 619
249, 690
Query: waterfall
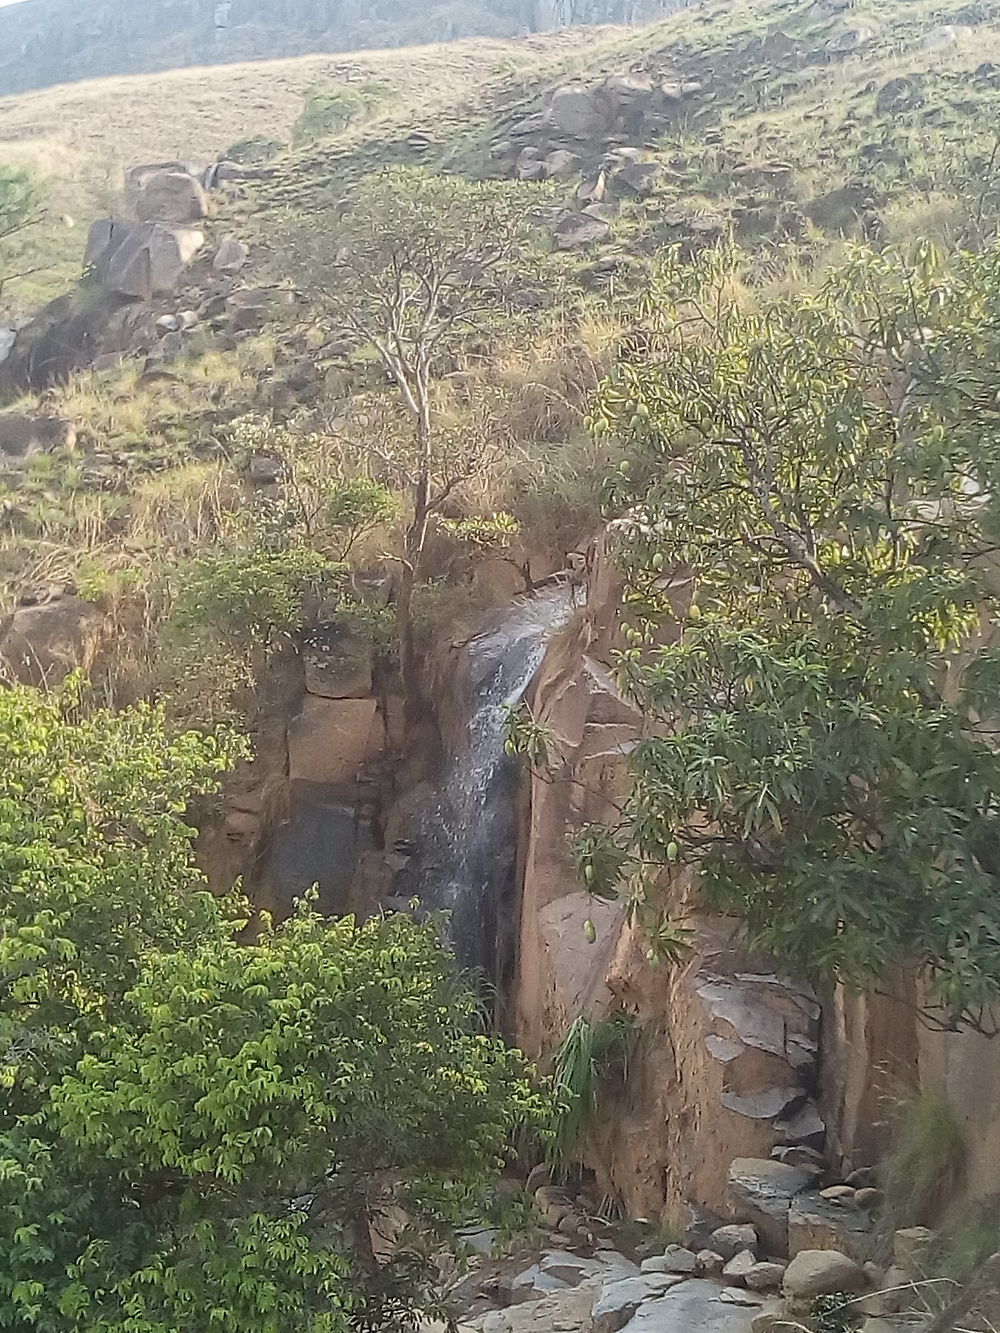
470, 847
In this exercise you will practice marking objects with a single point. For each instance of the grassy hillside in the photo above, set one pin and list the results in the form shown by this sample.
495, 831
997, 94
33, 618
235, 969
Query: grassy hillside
802, 129
81, 137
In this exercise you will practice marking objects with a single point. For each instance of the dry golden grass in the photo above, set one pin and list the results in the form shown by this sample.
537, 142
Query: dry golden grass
83, 135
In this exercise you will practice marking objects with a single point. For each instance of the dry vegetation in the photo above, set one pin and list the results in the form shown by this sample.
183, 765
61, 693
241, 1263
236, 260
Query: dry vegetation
82, 135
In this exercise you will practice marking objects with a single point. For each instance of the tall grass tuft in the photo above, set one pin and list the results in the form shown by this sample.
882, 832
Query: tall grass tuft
926, 1163
587, 1055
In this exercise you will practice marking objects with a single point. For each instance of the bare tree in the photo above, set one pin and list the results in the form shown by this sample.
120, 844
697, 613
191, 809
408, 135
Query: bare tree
423, 266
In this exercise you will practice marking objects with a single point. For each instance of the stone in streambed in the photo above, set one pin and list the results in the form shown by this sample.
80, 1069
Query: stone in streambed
675, 1259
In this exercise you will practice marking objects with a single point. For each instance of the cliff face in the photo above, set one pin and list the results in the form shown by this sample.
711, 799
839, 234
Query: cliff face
46, 42
735, 1060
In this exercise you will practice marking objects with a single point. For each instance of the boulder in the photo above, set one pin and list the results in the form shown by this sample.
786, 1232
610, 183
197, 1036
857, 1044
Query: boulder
336, 661
537, 1177
23, 434
679, 90
710, 1264
8, 337
561, 164
618, 1301
639, 178
731, 1240
568, 1268
909, 1247
575, 110
40, 644
533, 1283
331, 740
614, 1266
700, 1226
815, 1223
165, 192
531, 171
904, 93
676, 1259
764, 1276
553, 1203
851, 39
804, 1127
797, 1154
739, 1266
249, 308
629, 89
480, 1240
231, 255
763, 1104
694, 1304
140, 260
740, 1296
594, 189
761, 1191
818, 1273
579, 229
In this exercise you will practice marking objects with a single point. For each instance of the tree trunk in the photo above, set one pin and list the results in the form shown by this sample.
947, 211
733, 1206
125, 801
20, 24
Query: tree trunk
409, 660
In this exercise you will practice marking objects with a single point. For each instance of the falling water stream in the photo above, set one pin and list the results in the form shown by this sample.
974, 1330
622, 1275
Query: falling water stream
471, 840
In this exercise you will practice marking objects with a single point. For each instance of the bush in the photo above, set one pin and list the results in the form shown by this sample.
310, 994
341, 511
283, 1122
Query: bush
197, 1133
252, 596
330, 110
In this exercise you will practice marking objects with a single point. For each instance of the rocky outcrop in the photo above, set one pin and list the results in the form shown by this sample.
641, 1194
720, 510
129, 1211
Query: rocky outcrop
727, 1063
136, 261
165, 192
135, 266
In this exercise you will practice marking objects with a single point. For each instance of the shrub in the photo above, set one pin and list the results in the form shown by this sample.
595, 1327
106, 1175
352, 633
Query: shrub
330, 110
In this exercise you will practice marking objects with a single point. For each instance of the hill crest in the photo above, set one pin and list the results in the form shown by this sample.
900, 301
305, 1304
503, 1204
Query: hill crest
48, 42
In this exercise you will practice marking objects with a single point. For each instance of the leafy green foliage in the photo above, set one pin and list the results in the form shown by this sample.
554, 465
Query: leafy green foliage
330, 110
199, 1132
826, 468
484, 531
95, 868
20, 210
252, 595
355, 507
528, 737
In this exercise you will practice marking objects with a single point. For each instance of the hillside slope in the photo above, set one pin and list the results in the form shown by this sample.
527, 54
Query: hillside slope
83, 134
45, 42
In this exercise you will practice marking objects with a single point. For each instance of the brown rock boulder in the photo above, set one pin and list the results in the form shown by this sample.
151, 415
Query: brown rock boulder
165, 192
40, 644
22, 434
140, 260
819, 1272
331, 740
